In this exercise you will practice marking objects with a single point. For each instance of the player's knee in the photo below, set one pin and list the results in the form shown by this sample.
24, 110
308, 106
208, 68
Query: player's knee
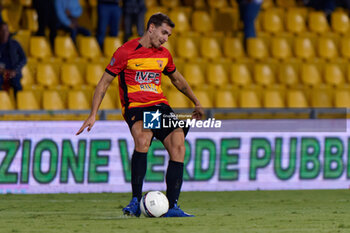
142, 144
178, 152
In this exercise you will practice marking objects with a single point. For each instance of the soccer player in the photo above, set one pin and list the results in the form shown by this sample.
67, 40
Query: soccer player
139, 64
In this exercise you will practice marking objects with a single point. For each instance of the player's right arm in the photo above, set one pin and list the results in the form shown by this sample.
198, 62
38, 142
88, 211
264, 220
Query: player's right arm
100, 92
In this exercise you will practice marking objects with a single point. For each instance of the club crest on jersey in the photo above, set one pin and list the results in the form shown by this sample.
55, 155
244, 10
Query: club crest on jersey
112, 61
160, 63
147, 77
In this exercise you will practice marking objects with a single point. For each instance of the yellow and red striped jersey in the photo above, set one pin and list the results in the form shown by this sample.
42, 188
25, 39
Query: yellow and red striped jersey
140, 73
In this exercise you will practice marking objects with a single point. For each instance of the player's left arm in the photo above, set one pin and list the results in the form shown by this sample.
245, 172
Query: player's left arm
181, 84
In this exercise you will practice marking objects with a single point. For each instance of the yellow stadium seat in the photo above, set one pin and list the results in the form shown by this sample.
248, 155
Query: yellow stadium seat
272, 20
155, 9
210, 48
169, 46
194, 74
327, 48
345, 47
201, 22
186, 48
27, 79
23, 37
177, 100
310, 74
256, 48
273, 98
280, 48
296, 99
217, 74
340, 22
110, 45
225, 99
181, 20
295, 21
12, 15
288, 73
170, 4
217, 3
205, 98
52, 100
89, 48
264, 74
249, 99
108, 103
334, 74
233, 48
318, 22
39, 47
31, 20
94, 72
240, 74
303, 48
71, 75
27, 100
46, 75
65, 48
286, 3
5, 101
321, 98
77, 100
151, 3
26, 2
342, 98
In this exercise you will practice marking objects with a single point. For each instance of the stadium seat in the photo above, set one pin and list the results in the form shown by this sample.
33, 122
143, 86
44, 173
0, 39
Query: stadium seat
295, 21
170, 4
233, 48
176, 100
327, 48
210, 48
342, 98
321, 98
27, 79
280, 48
110, 45
217, 3
180, 19
340, 22
71, 75
5, 101
205, 97
286, 3
94, 72
318, 22
310, 74
240, 74
345, 47
217, 74
303, 48
12, 16
89, 48
155, 9
201, 22
26, 2
31, 20
77, 100
249, 99
52, 100
108, 103
288, 74
273, 98
272, 20
65, 48
194, 74
224, 99
256, 48
264, 74
151, 3
23, 37
296, 99
186, 48
27, 100
46, 75
39, 47
333, 74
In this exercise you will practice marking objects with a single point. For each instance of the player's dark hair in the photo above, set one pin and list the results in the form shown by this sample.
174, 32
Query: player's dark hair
159, 18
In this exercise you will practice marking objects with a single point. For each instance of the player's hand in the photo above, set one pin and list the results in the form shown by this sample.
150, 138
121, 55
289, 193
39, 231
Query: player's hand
90, 121
198, 112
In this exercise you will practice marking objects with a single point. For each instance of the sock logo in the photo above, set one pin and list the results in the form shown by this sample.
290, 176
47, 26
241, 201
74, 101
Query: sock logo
151, 120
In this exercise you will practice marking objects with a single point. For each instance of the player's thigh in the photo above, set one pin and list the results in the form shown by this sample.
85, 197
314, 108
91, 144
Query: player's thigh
175, 145
142, 137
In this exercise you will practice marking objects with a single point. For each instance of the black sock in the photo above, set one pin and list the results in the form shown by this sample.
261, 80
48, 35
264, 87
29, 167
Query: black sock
138, 172
173, 180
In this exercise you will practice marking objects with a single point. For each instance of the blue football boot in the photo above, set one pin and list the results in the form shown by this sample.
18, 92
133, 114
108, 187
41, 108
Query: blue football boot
133, 209
177, 212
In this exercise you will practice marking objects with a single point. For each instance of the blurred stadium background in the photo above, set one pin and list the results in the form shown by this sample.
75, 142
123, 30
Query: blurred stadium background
298, 61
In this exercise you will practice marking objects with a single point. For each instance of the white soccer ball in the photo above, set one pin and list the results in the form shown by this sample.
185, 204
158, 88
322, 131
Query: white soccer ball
154, 204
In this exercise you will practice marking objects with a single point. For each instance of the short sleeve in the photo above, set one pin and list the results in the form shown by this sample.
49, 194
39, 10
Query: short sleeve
118, 62
170, 67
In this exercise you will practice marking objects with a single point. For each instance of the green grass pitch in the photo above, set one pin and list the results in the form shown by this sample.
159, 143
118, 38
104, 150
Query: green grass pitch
248, 211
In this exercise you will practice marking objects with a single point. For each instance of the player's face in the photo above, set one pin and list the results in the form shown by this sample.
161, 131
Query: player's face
160, 34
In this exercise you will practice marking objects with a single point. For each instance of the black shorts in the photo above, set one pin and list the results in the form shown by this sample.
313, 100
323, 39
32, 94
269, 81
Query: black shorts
133, 115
